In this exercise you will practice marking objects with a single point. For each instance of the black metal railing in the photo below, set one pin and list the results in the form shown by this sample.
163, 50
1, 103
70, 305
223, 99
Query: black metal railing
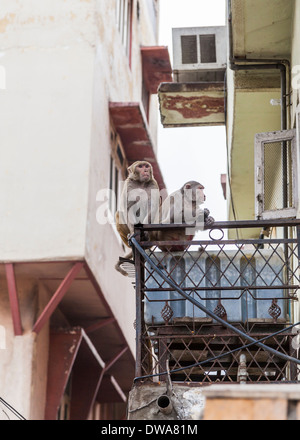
198, 310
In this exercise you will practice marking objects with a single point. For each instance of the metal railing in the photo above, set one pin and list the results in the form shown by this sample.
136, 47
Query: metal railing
197, 309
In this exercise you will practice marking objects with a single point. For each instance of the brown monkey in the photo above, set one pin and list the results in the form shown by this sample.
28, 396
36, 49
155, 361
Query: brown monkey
139, 202
183, 207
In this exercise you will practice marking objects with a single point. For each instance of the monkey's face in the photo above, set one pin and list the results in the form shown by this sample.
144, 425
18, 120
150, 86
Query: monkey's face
194, 192
144, 171
141, 171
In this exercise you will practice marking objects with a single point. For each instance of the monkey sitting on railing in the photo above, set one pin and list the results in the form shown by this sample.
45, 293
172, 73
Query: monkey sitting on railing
183, 207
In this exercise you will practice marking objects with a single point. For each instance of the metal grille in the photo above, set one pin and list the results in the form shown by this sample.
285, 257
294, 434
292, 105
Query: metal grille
189, 49
250, 283
208, 48
278, 188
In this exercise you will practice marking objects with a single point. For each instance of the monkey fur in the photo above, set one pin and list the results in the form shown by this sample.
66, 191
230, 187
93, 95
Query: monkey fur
187, 199
139, 202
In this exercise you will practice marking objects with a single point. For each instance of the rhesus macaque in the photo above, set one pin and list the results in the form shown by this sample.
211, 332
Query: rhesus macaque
183, 207
139, 202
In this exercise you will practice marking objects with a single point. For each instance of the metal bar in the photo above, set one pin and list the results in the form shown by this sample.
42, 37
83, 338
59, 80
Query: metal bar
13, 299
102, 323
298, 241
64, 347
57, 297
108, 366
194, 289
138, 322
228, 225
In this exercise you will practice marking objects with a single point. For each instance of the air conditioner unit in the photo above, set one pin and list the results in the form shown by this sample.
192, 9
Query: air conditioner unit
199, 53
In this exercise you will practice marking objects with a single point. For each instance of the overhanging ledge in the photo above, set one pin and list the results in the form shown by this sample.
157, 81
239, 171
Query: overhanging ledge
192, 104
130, 123
156, 66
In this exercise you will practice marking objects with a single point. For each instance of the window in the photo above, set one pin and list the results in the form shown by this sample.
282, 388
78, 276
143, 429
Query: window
123, 20
248, 271
212, 279
177, 273
276, 182
117, 171
145, 99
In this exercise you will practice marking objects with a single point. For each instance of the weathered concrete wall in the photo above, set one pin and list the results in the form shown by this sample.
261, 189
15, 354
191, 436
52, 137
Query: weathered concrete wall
216, 402
252, 402
48, 55
185, 402
114, 80
23, 359
63, 61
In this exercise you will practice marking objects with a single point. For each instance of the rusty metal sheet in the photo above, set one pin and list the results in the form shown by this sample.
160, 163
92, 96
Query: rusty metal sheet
193, 104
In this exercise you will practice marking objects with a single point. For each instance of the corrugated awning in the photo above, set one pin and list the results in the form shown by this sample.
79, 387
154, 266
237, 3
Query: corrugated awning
130, 122
191, 104
156, 66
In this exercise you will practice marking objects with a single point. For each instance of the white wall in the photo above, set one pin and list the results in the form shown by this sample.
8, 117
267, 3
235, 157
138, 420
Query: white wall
45, 129
64, 62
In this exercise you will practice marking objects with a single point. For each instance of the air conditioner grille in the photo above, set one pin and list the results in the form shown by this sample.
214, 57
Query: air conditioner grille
189, 49
208, 48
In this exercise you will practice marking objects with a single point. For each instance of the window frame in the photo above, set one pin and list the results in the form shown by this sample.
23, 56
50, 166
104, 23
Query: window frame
260, 140
117, 169
124, 24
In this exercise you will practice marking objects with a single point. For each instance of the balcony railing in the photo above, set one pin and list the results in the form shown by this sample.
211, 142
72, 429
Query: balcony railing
220, 309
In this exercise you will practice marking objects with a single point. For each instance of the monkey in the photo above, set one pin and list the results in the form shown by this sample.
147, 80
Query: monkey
183, 207
139, 202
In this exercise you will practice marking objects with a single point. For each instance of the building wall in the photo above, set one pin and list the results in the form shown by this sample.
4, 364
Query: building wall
23, 360
114, 80
64, 61
295, 60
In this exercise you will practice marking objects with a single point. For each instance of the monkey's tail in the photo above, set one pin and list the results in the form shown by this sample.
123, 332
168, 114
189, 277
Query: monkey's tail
125, 266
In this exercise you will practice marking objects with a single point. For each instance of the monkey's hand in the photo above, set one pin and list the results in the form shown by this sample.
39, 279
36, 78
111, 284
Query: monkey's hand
209, 221
206, 213
145, 237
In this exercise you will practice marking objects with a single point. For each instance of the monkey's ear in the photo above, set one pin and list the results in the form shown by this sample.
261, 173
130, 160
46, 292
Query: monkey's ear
131, 170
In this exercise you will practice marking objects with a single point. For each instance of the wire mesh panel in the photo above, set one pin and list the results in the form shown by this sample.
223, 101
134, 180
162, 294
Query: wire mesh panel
276, 183
251, 284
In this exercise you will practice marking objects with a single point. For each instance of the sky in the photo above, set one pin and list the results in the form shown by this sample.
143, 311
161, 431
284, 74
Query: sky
193, 153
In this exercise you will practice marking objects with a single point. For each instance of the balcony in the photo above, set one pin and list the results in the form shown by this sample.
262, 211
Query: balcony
220, 310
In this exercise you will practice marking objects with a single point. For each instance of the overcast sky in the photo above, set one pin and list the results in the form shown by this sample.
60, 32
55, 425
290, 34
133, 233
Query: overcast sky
193, 153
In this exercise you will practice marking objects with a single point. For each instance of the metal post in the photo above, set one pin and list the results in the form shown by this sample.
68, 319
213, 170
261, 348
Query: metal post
138, 290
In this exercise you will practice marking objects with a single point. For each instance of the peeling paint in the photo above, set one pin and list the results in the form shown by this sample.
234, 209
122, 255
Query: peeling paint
194, 107
9, 18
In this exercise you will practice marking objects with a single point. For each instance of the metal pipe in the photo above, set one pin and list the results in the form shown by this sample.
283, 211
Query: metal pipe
164, 404
238, 224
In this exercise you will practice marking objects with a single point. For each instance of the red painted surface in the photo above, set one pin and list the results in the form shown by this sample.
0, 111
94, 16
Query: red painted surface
13, 299
57, 297
62, 354
131, 125
156, 66
191, 107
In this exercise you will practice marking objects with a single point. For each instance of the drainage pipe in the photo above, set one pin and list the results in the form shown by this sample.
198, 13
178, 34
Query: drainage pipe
164, 404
